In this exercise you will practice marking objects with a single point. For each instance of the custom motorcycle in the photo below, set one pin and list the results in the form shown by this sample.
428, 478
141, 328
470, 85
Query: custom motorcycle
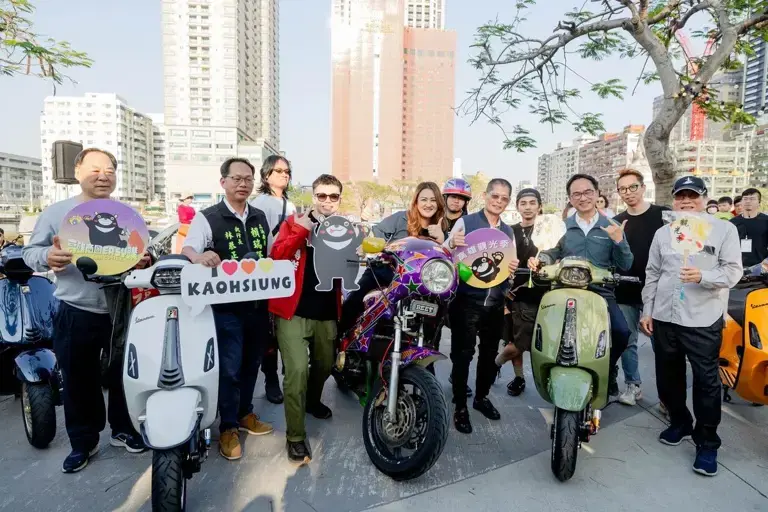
383, 358
28, 367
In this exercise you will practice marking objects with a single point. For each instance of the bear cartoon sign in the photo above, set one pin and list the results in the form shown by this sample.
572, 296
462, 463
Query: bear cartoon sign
487, 253
335, 241
109, 232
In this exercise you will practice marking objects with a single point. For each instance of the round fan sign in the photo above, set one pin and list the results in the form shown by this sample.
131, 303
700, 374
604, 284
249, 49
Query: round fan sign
109, 232
487, 253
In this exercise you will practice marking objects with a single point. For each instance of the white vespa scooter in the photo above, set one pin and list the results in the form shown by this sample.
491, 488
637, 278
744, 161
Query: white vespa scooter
171, 379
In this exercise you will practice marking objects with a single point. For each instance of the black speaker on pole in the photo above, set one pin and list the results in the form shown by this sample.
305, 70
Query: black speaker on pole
63, 161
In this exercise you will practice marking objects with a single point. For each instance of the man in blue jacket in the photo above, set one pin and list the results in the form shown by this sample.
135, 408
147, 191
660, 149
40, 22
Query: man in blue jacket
601, 241
478, 313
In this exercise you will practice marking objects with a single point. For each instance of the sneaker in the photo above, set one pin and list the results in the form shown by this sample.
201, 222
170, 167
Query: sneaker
77, 460
673, 435
631, 395
705, 462
251, 424
320, 411
461, 421
516, 386
229, 445
486, 408
272, 388
298, 453
133, 443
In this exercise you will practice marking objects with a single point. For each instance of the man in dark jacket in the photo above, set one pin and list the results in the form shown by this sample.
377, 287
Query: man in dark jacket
230, 230
475, 312
601, 241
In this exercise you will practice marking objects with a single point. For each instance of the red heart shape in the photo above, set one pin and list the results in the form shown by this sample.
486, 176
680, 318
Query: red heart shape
229, 267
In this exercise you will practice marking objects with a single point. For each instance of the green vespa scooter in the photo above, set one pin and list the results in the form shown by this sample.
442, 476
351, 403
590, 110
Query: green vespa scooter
570, 355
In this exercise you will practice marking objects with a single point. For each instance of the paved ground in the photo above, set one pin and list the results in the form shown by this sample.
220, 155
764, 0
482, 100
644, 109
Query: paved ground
503, 465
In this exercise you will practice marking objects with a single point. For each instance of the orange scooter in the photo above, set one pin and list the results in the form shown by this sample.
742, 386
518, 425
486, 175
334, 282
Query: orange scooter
744, 352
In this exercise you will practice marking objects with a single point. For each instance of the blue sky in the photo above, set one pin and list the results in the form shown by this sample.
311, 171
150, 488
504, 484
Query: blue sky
124, 40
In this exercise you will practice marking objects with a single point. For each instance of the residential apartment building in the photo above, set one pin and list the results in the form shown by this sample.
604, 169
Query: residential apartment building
425, 14
556, 168
757, 138
724, 166
220, 81
157, 179
393, 90
105, 121
21, 181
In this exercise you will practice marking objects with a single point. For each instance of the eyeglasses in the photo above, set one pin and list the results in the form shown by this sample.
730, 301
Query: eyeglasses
587, 193
334, 198
239, 179
282, 171
631, 188
497, 197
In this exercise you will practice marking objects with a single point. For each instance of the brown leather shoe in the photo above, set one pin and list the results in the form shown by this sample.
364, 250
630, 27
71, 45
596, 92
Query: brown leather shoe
229, 444
254, 426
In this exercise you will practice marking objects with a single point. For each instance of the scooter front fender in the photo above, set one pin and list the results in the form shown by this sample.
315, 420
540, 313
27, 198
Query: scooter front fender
36, 366
570, 388
171, 418
421, 356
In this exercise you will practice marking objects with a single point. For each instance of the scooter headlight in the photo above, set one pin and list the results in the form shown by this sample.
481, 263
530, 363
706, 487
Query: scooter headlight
576, 277
438, 276
167, 277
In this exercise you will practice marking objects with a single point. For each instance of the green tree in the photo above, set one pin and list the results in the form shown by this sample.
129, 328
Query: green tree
534, 71
402, 194
478, 182
367, 195
23, 52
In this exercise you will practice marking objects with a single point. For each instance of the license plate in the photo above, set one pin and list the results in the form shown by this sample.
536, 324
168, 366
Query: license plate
424, 308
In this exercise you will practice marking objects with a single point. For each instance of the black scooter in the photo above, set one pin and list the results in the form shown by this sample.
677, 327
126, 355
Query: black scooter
28, 367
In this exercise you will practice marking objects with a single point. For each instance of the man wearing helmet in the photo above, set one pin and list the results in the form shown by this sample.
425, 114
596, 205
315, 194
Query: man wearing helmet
457, 193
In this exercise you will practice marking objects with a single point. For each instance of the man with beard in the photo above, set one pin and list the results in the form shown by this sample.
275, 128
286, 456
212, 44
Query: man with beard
522, 302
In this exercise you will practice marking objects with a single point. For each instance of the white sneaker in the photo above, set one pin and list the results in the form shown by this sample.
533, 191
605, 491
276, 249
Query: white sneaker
631, 395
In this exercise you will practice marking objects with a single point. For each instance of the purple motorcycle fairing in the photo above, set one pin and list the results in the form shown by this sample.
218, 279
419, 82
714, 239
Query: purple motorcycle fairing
407, 256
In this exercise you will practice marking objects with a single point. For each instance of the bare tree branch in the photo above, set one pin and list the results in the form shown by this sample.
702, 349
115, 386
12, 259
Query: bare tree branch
706, 4
671, 7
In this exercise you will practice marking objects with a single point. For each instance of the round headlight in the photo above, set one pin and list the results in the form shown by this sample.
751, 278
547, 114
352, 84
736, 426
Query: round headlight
438, 276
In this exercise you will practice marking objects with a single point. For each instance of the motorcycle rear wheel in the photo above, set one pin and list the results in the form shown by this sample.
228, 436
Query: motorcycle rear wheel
169, 487
565, 443
38, 411
422, 427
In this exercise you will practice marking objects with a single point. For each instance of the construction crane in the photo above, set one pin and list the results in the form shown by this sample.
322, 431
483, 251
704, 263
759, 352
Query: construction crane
698, 116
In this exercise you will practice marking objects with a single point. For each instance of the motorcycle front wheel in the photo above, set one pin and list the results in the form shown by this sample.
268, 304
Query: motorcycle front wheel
410, 446
38, 409
565, 443
169, 487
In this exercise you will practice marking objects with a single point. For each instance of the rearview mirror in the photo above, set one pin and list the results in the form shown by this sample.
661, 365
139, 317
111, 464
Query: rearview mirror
373, 245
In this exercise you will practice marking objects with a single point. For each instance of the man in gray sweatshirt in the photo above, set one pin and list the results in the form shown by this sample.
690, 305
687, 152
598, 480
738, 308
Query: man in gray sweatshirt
82, 325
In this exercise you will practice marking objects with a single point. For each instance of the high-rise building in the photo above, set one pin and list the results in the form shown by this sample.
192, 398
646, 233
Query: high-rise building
393, 91
724, 166
556, 168
21, 181
220, 86
425, 14
755, 78
757, 137
609, 154
107, 122
158, 157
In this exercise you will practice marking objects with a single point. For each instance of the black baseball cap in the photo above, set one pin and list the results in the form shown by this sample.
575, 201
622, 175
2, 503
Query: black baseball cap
528, 192
691, 183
